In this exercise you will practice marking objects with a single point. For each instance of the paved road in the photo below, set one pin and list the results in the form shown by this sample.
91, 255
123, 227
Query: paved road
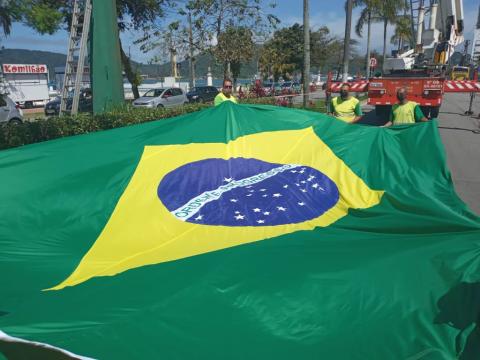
462, 146
461, 143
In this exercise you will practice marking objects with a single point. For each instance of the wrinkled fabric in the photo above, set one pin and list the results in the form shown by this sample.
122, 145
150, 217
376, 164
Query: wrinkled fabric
399, 280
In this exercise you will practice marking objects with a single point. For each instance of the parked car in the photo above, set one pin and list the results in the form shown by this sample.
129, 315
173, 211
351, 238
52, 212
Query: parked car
85, 103
159, 98
291, 87
202, 94
10, 112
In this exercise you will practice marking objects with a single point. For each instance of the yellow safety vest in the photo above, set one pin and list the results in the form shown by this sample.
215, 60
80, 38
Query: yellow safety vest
345, 109
404, 114
221, 98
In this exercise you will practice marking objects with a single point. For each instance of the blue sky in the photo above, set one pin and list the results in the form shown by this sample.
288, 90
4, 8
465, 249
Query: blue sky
323, 12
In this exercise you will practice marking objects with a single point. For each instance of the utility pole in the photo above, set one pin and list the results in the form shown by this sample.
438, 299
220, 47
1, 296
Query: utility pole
190, 44
306, 53
346, 45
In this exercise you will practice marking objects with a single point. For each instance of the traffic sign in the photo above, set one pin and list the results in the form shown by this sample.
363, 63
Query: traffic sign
373, 62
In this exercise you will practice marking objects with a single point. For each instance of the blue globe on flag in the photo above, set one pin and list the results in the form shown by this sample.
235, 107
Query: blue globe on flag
246, 192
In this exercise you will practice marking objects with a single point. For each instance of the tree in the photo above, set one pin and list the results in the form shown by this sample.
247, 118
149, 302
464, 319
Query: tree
10, 12
48, 16
306, 52
367, 15
235, 45
385, 11
388, 12
217, 15
403, 32
283, 53
201, 22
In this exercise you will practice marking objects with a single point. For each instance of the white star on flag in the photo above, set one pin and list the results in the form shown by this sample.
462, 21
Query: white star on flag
266, 213
280, 208
257, 210
199, 217
301, 203
227, 179
261, 221
315, 185
277, 195
240, 217
233, 200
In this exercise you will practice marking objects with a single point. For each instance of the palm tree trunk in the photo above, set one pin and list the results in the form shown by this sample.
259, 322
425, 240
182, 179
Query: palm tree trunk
306, 52
346, 42
369, 28
385, 23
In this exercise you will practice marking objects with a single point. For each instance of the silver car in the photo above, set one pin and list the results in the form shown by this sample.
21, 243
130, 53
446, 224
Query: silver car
10, 112
161, 98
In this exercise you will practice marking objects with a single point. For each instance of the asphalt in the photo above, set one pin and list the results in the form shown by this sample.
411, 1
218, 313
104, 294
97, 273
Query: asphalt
461, 138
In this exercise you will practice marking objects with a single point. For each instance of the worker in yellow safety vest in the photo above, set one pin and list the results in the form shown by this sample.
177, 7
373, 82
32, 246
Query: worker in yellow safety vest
405, 112
346, 107
226, 93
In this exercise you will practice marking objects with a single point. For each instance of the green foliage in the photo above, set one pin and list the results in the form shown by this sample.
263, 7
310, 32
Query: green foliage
84, 123
44, 18
214, 16
282, 55
384, 11
403, 32
10, 11
235, 46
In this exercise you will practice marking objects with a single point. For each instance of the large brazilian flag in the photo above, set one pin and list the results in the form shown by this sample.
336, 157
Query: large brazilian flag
238, 232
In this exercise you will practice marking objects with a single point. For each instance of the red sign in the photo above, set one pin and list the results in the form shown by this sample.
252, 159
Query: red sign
373, 62
24, 69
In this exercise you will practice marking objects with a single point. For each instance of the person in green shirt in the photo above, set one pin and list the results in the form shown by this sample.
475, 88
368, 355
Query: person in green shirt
405, 112
225, 94
345, 107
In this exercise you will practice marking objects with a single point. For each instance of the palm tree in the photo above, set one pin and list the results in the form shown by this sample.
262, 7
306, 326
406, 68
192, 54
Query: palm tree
403, 32
367, 16
6, 17
385, 11
388, 12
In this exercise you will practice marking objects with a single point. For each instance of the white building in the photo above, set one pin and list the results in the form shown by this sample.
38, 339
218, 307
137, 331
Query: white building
26, 84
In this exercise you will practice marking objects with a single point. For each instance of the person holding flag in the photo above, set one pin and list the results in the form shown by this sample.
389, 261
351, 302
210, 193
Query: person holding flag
226, 93
345, 107
405, 112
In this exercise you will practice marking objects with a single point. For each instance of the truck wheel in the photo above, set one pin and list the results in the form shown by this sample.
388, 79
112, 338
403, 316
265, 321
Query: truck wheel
383, 111
28, 104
